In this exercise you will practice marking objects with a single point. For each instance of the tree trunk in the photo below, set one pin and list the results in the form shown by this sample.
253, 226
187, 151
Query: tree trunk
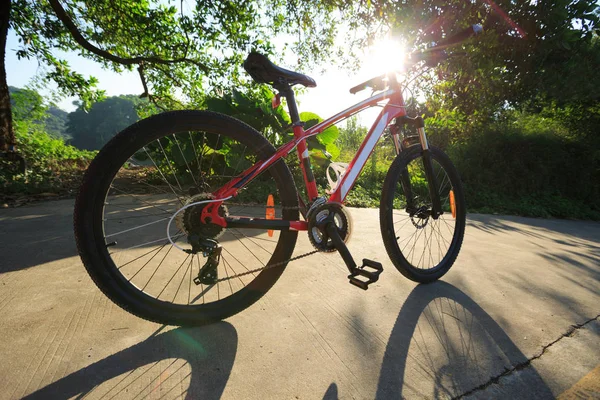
7, 137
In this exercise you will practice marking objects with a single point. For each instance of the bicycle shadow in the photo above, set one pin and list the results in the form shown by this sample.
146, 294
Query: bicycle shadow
37, 234
53, 240
443, 345
164, 362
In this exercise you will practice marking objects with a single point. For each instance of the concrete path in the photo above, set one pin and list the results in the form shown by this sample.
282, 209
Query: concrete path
516, 317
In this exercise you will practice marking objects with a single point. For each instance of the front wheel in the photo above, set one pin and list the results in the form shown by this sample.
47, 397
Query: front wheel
422, 247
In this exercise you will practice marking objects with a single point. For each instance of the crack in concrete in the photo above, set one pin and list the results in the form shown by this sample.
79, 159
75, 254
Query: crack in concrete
518, 367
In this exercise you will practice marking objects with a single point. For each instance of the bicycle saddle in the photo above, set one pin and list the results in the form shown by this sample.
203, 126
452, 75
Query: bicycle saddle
264, 71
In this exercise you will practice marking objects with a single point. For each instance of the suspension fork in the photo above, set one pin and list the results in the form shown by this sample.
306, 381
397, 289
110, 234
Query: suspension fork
427, 164
404, 178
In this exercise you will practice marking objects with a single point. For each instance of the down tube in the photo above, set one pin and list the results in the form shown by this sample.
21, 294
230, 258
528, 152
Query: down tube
389, 112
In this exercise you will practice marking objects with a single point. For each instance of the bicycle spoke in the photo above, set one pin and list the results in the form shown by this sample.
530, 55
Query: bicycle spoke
218, 291
147, 262
169, 281
195, 153
185, 160
136, 216
238, 261
415, 244
403, 225
143, 255
137, 199
423, 254
258, 244
139, 208
239, 161
169, 164
203, 293
201, 286
176, 236
441, 234
137, 227
163, 175
183, 278
159, 264
190, 286
212, 159
227, 274
227, 263
144, 182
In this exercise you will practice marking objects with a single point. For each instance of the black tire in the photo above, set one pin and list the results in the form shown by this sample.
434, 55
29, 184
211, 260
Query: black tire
437, 263
98, 180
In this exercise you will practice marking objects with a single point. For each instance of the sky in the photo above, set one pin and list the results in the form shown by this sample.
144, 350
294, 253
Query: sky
329, 97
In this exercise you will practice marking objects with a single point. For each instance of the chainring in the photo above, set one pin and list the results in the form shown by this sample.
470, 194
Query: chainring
342, 220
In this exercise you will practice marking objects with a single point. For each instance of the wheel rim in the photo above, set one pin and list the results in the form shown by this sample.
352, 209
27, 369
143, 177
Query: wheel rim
160, 178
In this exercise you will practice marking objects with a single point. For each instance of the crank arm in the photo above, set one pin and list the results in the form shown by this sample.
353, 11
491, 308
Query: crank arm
360, 276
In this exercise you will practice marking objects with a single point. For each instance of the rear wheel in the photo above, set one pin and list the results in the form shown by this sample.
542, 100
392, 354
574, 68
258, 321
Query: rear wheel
422, 248
137, 183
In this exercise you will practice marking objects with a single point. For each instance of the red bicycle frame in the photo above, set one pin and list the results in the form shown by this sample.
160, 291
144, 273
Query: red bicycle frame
394, 108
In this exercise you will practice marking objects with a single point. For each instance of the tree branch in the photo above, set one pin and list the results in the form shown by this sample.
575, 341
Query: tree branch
74, 31
143, 78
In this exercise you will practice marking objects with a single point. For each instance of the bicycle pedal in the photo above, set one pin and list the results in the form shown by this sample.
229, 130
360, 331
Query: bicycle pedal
366, 274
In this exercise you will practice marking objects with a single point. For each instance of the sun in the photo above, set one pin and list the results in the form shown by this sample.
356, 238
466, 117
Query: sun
385, 55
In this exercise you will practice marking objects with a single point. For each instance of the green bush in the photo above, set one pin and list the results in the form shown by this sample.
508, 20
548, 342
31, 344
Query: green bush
52, 166
529, 165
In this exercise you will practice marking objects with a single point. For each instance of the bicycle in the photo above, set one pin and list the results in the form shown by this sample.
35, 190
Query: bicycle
229, 247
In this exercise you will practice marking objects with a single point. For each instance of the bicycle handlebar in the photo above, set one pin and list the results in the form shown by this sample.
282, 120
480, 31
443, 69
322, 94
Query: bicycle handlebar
433, 54
373, 82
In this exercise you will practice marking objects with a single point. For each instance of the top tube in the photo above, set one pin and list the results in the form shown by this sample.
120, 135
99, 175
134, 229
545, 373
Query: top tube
350, 111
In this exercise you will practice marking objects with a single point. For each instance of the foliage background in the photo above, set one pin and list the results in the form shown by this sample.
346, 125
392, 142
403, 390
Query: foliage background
517, 108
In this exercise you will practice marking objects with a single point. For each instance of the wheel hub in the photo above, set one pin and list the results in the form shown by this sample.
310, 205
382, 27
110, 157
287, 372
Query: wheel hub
420, 217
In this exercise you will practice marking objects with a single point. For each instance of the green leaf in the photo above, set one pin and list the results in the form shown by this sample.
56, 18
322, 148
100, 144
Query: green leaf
219, 105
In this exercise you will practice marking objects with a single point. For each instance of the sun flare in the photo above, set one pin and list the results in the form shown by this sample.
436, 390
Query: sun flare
385, 55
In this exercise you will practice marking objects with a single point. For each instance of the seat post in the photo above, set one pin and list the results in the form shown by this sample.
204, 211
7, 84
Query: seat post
288, 93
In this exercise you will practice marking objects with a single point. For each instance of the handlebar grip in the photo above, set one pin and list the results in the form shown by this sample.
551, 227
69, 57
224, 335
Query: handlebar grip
461, 36
359, 87
373, 82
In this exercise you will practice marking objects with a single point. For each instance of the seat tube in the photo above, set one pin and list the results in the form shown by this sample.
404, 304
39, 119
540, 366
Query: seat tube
302, 148
304, 158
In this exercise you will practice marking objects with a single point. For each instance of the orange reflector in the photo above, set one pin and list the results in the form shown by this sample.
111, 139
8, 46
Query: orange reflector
452, 204
270, 214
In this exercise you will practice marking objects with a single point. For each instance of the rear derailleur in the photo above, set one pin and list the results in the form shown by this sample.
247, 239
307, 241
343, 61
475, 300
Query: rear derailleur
210, 249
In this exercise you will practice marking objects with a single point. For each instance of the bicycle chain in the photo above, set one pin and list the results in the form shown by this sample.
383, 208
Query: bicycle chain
230, 204
267, 266
270, 265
